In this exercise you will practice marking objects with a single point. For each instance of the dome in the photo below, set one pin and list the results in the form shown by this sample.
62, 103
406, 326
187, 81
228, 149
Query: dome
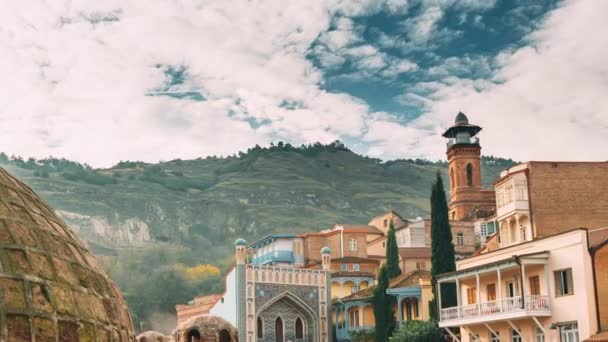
461, 119
50, 283
240, 242
325, 250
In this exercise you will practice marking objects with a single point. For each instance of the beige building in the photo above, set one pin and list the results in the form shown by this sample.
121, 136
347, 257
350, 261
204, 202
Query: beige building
539, 290
537, 199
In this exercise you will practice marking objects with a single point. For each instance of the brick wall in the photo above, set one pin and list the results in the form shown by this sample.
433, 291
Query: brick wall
564, 196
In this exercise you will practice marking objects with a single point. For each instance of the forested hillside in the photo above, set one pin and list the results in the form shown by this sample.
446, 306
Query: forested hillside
165, 231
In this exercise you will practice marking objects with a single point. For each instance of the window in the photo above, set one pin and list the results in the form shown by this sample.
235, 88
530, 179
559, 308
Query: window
534, 285
469, 175
459, 239
260, 328
495, 337
452, 184
354, 289
539, 335
416, 310
568, 333
491, 292
356, 267
299, 328
472, 295
352, 244
563, 282
515, 336
384, 244
420, 265
483, 229
522, 231
344, 267
385, 223
453, 215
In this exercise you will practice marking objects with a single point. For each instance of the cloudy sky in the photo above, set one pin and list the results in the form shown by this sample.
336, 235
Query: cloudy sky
103, 81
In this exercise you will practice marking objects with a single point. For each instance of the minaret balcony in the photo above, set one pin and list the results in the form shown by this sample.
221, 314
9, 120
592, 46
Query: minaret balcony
463, 141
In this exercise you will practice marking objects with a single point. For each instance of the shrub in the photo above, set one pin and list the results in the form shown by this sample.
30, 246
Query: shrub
418, 331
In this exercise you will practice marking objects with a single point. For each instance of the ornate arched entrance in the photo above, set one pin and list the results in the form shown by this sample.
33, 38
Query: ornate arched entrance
193, 336
288, 318
225, 336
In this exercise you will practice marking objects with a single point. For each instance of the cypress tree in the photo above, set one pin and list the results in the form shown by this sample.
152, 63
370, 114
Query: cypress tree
442, 259
383, 308
392, 254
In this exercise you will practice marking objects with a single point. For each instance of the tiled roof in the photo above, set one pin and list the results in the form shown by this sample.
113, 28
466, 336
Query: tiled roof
597, 237
363, 228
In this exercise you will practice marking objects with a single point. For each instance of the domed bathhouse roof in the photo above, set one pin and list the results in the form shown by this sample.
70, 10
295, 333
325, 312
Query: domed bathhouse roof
325, 250
461, 119
240, 242
50, 283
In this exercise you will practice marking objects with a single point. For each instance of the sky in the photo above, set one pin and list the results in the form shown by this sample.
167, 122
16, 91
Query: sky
105, 81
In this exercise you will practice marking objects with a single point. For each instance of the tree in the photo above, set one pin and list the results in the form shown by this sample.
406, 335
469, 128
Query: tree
418, 331
442, 257
392, 254
383, 308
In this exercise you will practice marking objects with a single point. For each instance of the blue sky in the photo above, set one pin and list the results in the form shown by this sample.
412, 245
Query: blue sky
101, 82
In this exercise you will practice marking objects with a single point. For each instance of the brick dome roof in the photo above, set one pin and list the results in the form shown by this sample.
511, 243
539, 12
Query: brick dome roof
51, 287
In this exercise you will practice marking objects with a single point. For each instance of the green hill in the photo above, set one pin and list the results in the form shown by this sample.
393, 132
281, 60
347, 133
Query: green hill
150, 222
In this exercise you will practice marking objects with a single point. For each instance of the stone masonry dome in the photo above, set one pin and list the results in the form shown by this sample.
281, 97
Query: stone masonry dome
325, 250
461, 119
51, 287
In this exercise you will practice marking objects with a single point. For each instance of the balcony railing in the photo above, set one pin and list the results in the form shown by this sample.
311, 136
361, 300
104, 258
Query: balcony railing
486, 309
274, 256
344, 333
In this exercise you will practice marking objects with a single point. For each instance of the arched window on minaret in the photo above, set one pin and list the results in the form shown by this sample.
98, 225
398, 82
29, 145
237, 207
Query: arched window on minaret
469, 175
452, 184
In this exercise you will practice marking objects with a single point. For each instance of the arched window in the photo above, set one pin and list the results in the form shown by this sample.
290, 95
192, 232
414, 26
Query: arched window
469, 175
260, 328
194, 336
278, 330
299, 328
460, 239
452, 184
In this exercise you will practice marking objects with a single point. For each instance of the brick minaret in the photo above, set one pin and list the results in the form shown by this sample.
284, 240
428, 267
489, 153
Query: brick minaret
467, 197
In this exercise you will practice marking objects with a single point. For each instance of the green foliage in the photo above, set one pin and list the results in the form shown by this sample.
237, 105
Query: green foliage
392, 254
362, 336
418, 331
383, 308
89, 176
443, 259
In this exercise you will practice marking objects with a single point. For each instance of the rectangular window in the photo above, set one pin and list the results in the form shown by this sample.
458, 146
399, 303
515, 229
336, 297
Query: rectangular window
356, 267
511, 289
495, 337
472, 295
483, 229
569, 333
491, 292
416, 311
563, 282
344, 267
352, 245
354, 289
419, 265
539, 335
534, 285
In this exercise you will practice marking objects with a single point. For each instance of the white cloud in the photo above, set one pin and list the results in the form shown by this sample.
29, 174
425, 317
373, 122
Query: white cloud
76, 73
549, 99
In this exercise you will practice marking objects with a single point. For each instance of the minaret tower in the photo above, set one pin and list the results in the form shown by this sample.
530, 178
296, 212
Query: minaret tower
467, 196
